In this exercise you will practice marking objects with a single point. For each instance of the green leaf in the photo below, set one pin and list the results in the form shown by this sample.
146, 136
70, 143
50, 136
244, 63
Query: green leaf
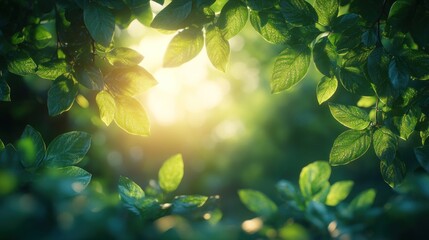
286, 190
422, 155
363, 201
90, 76
107, 106
398, 74
350, 116
338, 192
31, 147
123, 56
345, 22
1, 145
52, 70
143, 13
183, 47
131, 116
232, 18
259, 5
71, 180
61, 95
354, 81
325, 57
21, 64
184, 204
417, 63
349, 146
385, 144
4, 90
399, 12
271, 25
131, 194
257, 202
314, 178
173, 16
171, 173
393, 172
378, 64
326, 89
290, 67
100, 23
406, 123
298, 12
129, 81
67, 149
327, 10
217, 47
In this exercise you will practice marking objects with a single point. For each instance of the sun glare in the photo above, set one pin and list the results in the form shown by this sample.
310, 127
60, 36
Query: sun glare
184, 93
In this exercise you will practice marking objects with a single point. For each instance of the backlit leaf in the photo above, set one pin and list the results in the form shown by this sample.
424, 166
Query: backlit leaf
217, 47
52, 69
350, 116
61, 95
326, 88
31, 147
232, 18
290, 67
21, 64
173, 15
363, 201
313, 178
406, 123
327, 10
100, 22
131, 116
257, 202
129, 81
107, 106
271, 25
183, 204
385, 144
123, 56
171, 173
67, 149
131, 193
349, 146
183, 47
338, 192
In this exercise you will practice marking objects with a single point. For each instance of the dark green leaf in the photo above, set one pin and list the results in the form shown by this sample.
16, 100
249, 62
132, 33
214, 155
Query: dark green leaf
217, 48
350, 116
21, 64
378, 64
107, 106
345, 22
314, 178
232, 18
326, 89
398, 74
183, 204
171, 173
259, 5
363, 201
90, 76
370, 37
286, 190
354, 81
422, 155
338, 192
298, 12
385, 144
67, 149
349, 146
290, 67
393, 172
271, 25
257, 202
131, 194
325, 57
399, 12
1, 145
4, 90
61, 95
357, 57
129, 81
327, 10
100, 23
173, 16
131, 116
71, 180
52, 70
123, 56
406, 123
183, 47
417, 63
31, 147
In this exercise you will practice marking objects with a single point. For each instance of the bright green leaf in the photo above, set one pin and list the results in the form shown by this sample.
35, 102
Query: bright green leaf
173, 16
290, 67
350, 116
363, 201
232, 18
417, 63
217, 47
143, 13
129, 81
90, 76
422, 155
100, 22
313, 179
393, 172
326, 89
183, 204
67, 149
257, 202
107, 106
131, 193
123, 56
406, 123
271, 25
171, 173
31, 147
327, 10
131, 116
1, 145
52, 70
349, 146
298, 12
385, 144
21, 64
183, 47
61, 95
338, 192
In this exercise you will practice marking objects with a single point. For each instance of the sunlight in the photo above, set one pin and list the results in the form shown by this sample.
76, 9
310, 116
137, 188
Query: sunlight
185, 93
